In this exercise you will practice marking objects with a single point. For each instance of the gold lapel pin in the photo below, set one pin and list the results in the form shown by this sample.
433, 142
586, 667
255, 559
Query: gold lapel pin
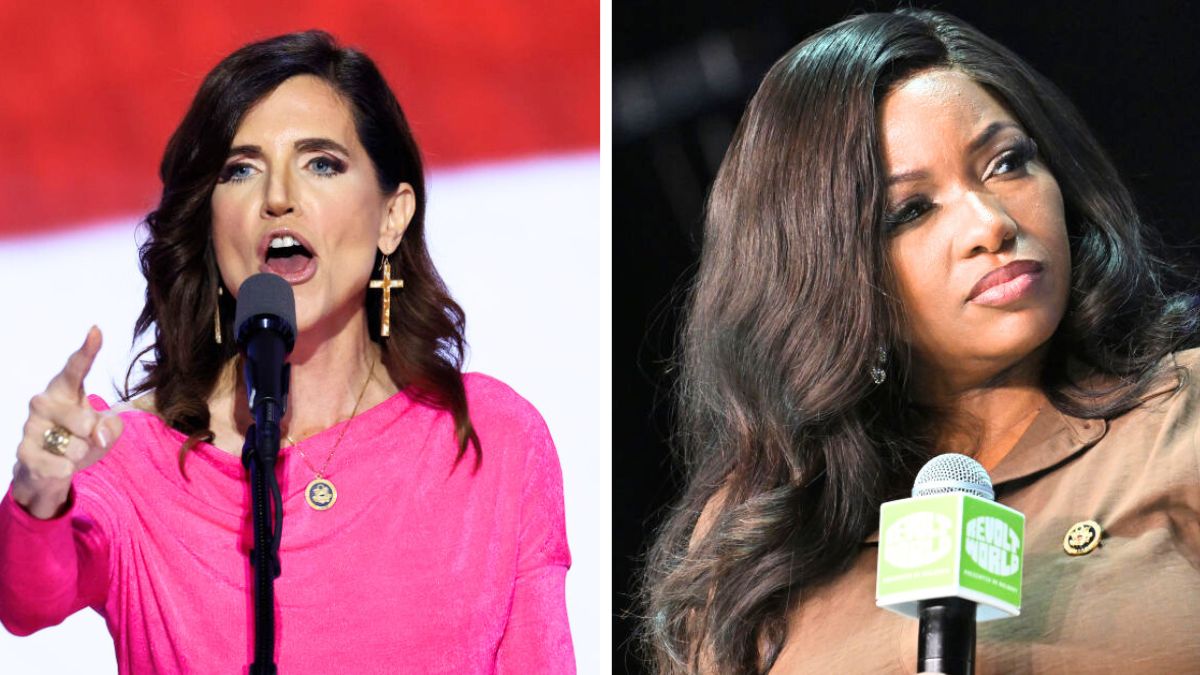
1082, 538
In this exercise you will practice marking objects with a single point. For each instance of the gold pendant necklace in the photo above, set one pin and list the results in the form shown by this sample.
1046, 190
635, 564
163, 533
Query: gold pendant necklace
321, 493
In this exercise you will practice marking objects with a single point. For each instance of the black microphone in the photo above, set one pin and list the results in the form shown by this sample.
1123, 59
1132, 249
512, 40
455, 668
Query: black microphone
946, 632
265, 326
265, 329
950, 556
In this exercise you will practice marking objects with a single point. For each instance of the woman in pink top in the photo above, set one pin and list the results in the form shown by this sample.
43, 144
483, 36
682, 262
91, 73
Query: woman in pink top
422, 509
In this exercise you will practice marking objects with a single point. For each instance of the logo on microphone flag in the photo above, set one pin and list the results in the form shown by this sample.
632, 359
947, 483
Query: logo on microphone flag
950, 545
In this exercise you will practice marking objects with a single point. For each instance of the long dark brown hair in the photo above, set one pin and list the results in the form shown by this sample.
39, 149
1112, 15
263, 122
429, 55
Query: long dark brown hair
785, 438
424, 353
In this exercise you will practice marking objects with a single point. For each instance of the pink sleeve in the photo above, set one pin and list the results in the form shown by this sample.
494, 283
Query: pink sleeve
537, 638
49, 569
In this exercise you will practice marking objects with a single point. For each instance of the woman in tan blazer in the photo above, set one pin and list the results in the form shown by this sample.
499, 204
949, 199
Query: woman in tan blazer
915, 246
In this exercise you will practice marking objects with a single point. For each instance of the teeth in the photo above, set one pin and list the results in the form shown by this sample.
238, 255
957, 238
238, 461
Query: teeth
284, 241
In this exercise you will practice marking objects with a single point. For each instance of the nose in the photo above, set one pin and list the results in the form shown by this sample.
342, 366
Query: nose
989, 228
278, 200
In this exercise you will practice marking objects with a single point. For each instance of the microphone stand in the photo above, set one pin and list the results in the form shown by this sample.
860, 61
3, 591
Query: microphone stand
259, 455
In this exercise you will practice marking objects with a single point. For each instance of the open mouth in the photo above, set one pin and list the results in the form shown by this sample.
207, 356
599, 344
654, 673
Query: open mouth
286, 255
289, 257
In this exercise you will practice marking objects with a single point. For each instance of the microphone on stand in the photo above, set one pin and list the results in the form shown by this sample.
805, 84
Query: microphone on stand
266, 332
265, 329
950, 556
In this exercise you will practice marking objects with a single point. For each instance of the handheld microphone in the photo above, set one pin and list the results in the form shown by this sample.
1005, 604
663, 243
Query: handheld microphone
950, 556
265, 324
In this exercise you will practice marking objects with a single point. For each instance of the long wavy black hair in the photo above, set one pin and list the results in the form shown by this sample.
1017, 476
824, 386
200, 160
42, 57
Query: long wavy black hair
789, 447
424, 353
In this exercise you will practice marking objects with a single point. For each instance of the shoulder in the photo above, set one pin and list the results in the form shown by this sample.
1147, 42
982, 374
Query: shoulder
1168, 411
491, 402
1188, 358
507, 424
1174, 380
1178, 379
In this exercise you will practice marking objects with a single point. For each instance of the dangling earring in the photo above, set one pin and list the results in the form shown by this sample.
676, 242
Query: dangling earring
386, 285
878, 372
217, 316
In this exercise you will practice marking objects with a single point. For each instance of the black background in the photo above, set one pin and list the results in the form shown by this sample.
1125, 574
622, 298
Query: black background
682, 73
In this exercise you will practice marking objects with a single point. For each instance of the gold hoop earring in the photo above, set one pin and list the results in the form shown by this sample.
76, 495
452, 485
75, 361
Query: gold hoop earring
386, 285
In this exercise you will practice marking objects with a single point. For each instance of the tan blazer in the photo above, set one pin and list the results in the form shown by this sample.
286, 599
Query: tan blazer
1132, 605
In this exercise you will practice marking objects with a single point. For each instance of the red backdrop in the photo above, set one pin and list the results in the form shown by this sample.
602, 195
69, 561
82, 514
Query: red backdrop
89, 96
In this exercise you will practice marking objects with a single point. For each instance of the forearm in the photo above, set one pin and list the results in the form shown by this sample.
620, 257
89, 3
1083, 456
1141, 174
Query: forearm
43, 499
39, 568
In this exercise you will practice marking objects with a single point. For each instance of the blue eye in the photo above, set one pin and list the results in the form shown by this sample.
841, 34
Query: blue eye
235, 173
326, 166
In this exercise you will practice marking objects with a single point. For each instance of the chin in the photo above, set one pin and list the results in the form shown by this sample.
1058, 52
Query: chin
1010, 350
306, 321
305, 318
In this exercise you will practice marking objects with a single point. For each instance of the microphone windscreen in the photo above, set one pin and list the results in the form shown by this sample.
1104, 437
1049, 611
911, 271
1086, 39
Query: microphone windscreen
953, 472
265, 293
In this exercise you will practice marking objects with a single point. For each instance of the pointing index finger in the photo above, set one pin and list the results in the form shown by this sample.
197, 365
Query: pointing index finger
69, 382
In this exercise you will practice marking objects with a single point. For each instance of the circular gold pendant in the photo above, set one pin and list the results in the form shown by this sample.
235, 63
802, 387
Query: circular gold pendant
320, 494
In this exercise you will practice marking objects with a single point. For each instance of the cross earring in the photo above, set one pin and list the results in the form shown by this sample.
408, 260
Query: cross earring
386, 285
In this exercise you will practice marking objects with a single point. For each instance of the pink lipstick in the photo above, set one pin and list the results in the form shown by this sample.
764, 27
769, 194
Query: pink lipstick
1006, 284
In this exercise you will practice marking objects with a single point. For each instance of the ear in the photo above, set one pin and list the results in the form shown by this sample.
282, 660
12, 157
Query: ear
400, 208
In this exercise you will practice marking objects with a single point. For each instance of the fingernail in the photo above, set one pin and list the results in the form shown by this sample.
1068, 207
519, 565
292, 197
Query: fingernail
102, 436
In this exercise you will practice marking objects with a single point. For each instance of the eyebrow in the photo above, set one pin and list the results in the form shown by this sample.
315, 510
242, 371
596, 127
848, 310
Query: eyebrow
989, 133
978, 142
302, 145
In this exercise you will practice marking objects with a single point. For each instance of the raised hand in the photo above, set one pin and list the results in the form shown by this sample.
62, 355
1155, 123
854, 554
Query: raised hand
62, 436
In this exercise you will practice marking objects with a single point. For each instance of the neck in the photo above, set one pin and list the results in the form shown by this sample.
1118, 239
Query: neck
986, 413
330, 367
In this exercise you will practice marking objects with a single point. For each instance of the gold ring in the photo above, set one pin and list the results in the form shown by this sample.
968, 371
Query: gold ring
55, 440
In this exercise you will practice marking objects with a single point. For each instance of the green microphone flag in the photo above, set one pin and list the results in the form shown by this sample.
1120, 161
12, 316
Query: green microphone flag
950, 545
